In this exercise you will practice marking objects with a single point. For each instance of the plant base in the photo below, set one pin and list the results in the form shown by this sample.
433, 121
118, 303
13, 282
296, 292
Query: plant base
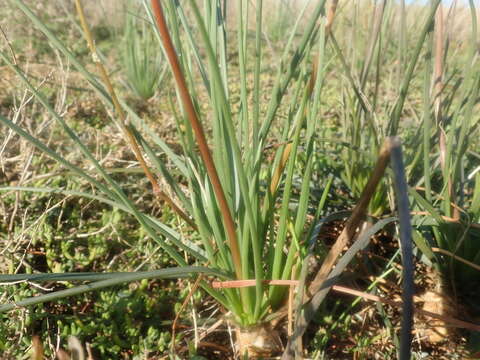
258, 341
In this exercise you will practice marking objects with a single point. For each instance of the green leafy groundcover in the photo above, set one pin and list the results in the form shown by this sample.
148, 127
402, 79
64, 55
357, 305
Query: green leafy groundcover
134, 320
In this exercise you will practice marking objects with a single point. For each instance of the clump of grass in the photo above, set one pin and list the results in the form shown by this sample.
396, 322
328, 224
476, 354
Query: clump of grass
229, 195
145, 67
449, 190
235, 192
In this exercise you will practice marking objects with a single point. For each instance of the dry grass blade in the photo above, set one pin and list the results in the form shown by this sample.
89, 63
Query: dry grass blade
354, 221
278, 171
447, 319
184, 304
235, 284
9, 45
291, 296
308, 312
331, 15
294, 345
456, 257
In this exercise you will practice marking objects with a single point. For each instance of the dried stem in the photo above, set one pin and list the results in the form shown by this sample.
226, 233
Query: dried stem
355, 219
331, 15
279, 169
451, 321
194, 288
456, 257
123, 121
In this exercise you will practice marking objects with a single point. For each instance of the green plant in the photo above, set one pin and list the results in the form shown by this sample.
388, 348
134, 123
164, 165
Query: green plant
236, 191
280, 25
145, 67
250, 182
449, 190
364, 119
239, 201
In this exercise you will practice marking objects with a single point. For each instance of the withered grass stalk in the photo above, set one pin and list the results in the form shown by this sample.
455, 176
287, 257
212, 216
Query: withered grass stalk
123, 121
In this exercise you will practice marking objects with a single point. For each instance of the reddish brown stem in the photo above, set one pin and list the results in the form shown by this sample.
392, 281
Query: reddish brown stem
199, 135
331, 15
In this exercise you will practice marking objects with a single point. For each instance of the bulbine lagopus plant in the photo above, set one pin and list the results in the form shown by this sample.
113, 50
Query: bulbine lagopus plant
243, 180
249, 210
248, 198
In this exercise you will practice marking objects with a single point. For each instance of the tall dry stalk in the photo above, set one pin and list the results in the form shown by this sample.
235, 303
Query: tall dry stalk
355, 219
331, 15
123, 121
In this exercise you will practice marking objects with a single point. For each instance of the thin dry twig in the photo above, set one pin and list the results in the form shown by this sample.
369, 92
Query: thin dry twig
452, 321
123, 120
184, 304
290, 303
331, 15
456, 257
212, 328
9, 45
453, 205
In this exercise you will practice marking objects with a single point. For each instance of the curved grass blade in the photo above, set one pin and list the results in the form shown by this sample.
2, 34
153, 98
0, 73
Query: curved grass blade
97, 276
401, 192
117, 279
310, 309
184, 244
